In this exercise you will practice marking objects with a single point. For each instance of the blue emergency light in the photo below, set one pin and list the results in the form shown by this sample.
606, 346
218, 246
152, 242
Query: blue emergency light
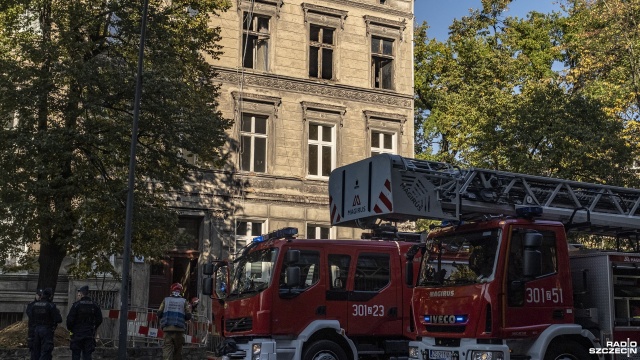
287, 232
528, 211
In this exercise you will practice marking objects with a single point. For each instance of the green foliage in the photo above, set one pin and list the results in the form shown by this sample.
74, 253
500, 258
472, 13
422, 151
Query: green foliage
67, 80
489, 97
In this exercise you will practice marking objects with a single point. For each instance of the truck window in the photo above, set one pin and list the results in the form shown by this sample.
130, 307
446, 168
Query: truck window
338, 271
549, 263
309, 264
372, 272
252, 272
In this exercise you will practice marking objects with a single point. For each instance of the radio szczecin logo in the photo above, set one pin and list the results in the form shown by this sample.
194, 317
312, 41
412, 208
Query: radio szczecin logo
617, 347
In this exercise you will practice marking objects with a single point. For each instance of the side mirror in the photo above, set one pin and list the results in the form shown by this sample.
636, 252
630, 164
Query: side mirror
292, 257
207, 269
408, 279
292, 276
532, 257
207, 286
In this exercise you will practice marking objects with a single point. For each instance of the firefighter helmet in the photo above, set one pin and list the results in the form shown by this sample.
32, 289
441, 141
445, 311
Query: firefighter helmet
176, 287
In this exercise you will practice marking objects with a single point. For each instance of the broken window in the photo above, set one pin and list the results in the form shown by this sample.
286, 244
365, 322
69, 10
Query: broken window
255, 41
253, 143
321, 47
382, 63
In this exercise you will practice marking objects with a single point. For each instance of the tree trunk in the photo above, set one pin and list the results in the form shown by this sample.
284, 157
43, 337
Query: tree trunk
50, 260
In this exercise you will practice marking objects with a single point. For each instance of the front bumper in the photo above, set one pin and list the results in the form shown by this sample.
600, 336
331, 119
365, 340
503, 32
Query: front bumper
469, 349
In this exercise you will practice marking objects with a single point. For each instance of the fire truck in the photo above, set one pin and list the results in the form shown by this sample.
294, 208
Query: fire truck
498, 278
290, 298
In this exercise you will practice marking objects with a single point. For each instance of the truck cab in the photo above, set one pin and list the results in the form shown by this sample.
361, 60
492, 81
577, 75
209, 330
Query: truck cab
303, 299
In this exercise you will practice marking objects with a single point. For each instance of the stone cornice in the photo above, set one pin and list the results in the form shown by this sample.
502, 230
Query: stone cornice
311, 8
382, 9
285, 83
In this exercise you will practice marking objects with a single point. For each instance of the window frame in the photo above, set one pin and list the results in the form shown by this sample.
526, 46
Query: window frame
324, 17
384, 29
323, 115
253, 136
321, 46
318, 232
384, 123
261, 105
248, 236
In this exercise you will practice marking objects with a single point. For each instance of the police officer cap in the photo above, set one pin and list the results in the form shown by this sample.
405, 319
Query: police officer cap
47, 292
84, 290
39, 292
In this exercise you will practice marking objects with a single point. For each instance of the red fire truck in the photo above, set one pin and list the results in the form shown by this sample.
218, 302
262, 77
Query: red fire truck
290, 298
499, 280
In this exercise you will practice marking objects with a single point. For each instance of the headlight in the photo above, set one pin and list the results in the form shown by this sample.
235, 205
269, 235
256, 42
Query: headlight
414, 353
487, 355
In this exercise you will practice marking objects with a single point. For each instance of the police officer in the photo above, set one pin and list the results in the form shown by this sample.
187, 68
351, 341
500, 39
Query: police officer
173, 313
45, 317
32, 324
83, 320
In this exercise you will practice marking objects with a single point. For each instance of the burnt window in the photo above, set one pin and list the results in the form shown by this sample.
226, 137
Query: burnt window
255, 41
382, 59
321, 49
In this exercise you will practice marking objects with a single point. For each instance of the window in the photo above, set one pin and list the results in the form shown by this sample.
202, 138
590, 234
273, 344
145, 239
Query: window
321, 149
253, 143
372, 272
318, 232
338, 271
382, 63
309, 264
255, 41
382, 143
246, 230
321, 47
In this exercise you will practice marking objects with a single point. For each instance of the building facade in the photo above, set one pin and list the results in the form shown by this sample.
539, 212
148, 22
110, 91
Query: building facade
311, 85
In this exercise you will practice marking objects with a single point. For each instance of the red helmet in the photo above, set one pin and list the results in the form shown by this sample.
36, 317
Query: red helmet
195, 300
176, 287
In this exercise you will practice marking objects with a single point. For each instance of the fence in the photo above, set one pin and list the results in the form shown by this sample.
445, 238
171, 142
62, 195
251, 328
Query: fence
143, 329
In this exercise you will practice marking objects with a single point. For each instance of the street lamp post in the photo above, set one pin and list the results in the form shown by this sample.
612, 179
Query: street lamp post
124, 287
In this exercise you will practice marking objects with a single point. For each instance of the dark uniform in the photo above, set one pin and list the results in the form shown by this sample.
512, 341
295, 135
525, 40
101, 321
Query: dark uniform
45, 317
83, 320
31, 324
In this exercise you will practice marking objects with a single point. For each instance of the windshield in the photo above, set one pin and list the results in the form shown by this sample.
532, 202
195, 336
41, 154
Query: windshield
252, 273
460, 258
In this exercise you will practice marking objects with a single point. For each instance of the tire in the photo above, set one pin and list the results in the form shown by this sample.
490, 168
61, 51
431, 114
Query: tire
324, 350
566, 350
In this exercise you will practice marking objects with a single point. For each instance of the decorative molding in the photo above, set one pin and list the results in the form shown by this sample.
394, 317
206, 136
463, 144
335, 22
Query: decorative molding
379, 97
239, 97
385, 26
323, 109
267, 7
374, 8
323, 12
376, 115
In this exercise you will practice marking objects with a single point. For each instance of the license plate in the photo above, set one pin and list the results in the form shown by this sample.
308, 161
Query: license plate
440, 354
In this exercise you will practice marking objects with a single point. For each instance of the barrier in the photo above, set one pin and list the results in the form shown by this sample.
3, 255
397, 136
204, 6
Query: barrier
143, 329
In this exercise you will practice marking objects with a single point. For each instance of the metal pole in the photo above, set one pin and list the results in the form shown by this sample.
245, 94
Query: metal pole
124, 287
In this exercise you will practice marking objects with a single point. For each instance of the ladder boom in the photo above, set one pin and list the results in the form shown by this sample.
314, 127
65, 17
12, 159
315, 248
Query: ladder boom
394, 188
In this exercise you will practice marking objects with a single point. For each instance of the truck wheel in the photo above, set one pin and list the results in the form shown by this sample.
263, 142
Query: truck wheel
568, 350
324, 350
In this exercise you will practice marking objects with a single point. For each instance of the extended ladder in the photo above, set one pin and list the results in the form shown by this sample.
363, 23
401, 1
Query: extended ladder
394, 188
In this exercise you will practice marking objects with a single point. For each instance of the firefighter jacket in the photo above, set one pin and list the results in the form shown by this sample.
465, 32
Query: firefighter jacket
173, 313
44, 313
84, 318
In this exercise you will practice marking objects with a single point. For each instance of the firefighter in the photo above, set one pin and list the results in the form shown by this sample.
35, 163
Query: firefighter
31, 324
45, 317
173, 314
194, 305
84, 318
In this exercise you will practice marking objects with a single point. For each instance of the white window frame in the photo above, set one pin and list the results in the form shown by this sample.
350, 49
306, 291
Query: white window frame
386, 123
320, 144
382, 150
247, 237
253, 136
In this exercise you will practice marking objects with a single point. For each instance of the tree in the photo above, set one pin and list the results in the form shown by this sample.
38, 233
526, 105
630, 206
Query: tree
491, 99
67, 80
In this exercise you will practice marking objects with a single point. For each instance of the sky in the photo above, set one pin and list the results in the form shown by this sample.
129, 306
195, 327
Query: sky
439, 14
